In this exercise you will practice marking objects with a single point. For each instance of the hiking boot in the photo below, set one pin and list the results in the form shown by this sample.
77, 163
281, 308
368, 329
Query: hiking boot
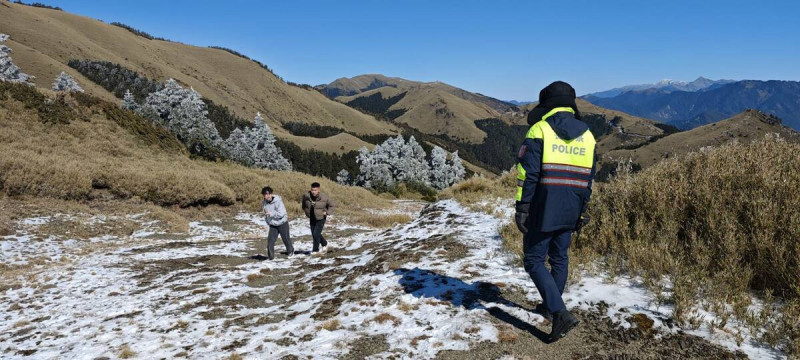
542, 310
563, 322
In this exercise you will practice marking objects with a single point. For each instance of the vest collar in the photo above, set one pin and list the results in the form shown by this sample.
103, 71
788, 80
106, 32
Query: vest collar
555, 110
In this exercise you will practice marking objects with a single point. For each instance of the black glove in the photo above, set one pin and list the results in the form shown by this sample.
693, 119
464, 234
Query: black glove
582, 221
521, 216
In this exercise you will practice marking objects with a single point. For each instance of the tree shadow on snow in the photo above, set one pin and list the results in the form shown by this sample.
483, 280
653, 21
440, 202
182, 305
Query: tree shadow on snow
478, 295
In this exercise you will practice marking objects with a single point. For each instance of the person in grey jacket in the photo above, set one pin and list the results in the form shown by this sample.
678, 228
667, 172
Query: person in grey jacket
277, 221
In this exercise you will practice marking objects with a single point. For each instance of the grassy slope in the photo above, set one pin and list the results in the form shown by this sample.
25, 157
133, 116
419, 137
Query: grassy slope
457, 108
747, 126
44, 40
105, 153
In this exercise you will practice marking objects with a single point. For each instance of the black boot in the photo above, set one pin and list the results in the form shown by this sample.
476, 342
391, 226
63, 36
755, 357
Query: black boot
542, 310
563, 322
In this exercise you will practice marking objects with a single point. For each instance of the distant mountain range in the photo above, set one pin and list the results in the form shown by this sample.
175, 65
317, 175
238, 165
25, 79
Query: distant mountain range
689, 109
519, 103
667, 85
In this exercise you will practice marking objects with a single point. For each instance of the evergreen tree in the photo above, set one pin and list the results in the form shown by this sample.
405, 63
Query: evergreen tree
256, 147
344, 177
392, 162
129, 102
456, 169
238, 148
411, 163
65, 82
265, 154
8, 70
438, 162
374, 169
183, 113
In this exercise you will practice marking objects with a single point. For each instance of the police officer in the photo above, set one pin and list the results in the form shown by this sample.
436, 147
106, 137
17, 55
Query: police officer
556, 166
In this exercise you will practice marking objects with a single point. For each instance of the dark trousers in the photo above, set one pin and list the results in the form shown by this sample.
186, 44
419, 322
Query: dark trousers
316, 233
283, 230
537, 246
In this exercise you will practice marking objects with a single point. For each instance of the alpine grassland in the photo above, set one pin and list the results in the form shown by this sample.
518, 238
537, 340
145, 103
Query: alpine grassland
714, 231
96, 151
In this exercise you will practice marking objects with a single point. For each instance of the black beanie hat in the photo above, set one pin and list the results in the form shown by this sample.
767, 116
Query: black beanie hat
557, 94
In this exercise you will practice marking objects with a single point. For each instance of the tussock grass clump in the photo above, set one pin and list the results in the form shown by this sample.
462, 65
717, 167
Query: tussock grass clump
386, 317
331, 325
125, 352
382, 221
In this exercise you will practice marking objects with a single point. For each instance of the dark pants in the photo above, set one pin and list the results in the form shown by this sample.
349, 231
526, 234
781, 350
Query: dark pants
316, 233
283, 230
537, 246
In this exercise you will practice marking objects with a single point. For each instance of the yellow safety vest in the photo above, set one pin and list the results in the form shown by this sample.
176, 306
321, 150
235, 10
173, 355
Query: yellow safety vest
564, 162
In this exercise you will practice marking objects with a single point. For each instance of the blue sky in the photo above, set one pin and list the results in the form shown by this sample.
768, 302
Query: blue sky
505, 49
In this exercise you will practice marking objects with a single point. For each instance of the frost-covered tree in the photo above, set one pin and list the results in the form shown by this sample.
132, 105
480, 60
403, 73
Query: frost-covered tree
439, 177
183, 112
265, 153
374, 169
411, 164
344, 177
129, 102
393, 162
8, 70
238, 148
256, 147
65, 82
457, 171
445, 172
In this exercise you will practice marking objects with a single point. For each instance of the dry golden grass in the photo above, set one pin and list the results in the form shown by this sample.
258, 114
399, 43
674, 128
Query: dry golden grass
724, 222
125, 352
234, 356
255, 277
505, 333
386, 317
381, 221
97, 160
415, 341
331, 325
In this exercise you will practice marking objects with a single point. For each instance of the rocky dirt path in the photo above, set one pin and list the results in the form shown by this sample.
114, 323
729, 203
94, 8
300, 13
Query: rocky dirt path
439, 287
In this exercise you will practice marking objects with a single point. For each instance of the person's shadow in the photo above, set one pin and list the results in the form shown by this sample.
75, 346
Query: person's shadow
428, 284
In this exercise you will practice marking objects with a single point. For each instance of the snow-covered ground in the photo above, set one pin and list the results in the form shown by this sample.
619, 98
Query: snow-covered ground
411, 291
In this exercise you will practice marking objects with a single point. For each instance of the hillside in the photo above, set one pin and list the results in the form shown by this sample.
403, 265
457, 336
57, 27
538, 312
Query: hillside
747, 126
44, 40
431, 107
687, 110
82, 149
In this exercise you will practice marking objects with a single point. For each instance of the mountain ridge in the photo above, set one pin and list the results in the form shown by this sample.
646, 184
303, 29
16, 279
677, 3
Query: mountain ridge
699, 84
687, 110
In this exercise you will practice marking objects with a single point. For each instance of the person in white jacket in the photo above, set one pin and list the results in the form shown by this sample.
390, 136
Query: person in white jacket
277, 221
